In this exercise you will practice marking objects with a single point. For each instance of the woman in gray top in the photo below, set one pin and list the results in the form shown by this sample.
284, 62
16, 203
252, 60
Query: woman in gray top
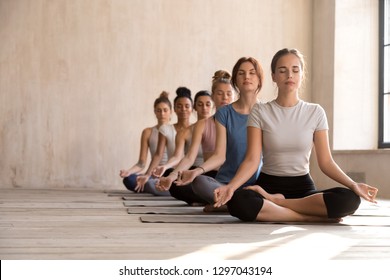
284, 131
149, 139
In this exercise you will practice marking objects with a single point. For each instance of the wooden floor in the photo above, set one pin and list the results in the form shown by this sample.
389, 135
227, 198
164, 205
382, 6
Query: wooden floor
90, 224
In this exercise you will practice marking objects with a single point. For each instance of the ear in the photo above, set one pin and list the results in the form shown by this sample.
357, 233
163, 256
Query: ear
273, 77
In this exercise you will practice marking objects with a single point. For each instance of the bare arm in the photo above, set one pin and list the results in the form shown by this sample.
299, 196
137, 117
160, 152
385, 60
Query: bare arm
330, 168
192, 153
142, 179
143, 155
162, 141
180, 141
213, 162
247, 168
219, 155
165, 182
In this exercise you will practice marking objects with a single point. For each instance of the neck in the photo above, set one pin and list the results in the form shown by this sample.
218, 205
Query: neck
182, 123
288, 99
202, 117
160, 123
245, 103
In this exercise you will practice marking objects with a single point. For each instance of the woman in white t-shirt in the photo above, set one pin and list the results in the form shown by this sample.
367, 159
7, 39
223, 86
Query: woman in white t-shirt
284, 132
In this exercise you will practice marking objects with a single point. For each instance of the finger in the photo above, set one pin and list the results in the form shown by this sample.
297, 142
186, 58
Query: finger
178, 182
216, 195
372, 192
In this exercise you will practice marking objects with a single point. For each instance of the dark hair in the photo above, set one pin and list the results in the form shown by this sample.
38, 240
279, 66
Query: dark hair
163, 98
201, 93
183, 92
284, 52
258, 68
220, 77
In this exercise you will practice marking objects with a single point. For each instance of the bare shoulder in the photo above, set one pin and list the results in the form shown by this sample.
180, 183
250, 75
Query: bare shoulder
147, 132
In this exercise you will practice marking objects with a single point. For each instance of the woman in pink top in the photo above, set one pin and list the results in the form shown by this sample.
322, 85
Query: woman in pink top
204, 135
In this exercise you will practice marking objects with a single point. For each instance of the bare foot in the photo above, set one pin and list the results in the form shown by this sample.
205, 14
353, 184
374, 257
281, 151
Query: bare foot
271, 197
210, 208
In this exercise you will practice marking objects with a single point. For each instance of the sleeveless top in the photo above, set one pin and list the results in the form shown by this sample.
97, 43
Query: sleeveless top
169, 131
153, 140
209, 136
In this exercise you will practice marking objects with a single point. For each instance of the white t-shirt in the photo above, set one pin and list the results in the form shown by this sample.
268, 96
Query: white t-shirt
288, 134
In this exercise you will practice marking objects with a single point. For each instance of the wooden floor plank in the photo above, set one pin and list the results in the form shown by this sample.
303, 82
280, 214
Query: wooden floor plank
90, 224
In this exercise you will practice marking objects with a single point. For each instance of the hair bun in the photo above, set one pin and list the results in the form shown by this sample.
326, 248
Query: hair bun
164, 94
183, 92
221, 74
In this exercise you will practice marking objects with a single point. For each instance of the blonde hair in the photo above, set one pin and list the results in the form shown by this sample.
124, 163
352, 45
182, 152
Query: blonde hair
220, 77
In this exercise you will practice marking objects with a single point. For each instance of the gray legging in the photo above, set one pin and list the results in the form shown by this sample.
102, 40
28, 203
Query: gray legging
150, 187
204, 186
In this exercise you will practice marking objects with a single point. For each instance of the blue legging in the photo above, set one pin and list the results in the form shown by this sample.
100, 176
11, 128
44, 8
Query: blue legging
130, 183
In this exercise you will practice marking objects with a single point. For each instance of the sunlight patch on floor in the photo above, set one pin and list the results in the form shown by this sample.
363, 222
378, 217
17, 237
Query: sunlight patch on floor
294, 244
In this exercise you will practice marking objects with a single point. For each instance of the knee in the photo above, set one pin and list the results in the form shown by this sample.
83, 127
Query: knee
342, 203
150, 187
197, 185
130, 182
245, 205
174, 190
203, 187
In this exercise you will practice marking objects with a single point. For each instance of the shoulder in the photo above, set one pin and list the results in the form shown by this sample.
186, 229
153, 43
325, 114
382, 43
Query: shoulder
312, 107
200, 124
147, 131
224, 109
259, 107
223, 112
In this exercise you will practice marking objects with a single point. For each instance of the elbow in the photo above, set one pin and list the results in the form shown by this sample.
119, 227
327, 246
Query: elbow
325, 166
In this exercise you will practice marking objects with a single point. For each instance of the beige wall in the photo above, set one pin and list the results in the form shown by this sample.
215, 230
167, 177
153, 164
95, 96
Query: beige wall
78, 78
346, 85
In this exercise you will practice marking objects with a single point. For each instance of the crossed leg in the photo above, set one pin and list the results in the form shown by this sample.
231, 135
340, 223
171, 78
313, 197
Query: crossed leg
312, 205
271, 212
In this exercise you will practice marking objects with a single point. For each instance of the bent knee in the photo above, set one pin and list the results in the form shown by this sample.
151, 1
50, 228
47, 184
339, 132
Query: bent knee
341, 203
245, 205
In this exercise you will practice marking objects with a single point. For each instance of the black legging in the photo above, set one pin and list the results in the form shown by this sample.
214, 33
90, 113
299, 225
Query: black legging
246, 204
